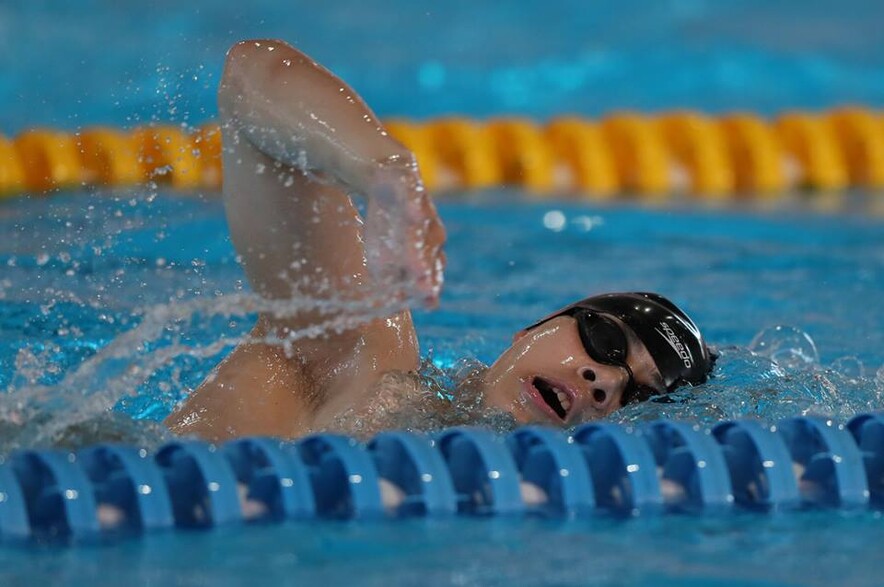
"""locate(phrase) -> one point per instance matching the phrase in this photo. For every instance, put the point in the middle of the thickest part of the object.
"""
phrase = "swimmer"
(297, 142)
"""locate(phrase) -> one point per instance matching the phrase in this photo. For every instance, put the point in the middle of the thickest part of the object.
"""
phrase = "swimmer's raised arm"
(296, 111)
(296, 142)
(299, 114)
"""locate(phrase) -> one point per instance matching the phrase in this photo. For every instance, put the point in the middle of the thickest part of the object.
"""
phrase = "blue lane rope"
(759, 465)
(598, 469)
(623, 470)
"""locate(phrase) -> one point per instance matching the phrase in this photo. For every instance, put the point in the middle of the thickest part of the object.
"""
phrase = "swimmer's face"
(546, 376)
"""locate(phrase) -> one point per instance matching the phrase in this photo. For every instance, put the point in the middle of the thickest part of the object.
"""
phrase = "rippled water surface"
(128, 300)
(810, 549)
(123, 302)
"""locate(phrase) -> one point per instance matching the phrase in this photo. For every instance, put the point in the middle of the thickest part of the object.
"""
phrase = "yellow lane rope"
(711, 157)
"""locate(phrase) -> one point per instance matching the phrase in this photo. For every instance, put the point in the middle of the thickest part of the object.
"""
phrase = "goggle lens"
(604, 341)
(603, 338)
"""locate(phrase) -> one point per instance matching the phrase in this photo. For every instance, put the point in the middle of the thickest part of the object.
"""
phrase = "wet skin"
(297, 141)
(551, 359)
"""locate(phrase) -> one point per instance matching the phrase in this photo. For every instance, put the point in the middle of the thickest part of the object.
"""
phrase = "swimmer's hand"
(293, 110)
(403, 232)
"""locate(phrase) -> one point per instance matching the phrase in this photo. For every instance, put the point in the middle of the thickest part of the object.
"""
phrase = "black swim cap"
(671, 337)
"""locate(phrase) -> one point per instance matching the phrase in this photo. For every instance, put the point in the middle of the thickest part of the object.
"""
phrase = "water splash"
(849, 367)
(787, 347)
(777, 376)
(39, 415)
(141, 303)
(748, 382)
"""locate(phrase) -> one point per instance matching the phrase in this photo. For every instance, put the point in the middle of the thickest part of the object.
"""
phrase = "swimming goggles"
(605, 342)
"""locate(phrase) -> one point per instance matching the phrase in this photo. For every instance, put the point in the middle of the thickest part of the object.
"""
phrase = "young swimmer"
(297, 142)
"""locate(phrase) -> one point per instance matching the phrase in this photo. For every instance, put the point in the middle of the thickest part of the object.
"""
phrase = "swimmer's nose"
(601, 398)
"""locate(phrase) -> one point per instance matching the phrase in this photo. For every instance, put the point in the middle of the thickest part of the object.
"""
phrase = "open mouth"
(554, 396)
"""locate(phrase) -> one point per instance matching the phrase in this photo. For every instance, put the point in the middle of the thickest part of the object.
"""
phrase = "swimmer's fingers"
(387, 268)
(404, 233)
(422, 239)
(428, 238)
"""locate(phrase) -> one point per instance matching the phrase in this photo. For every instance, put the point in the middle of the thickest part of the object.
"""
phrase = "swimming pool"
(725, 265)
(82, 270)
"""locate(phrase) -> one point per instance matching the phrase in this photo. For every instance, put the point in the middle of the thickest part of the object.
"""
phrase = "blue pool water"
(72, 64)
(84, 271)
(815, 549)
(80, 270)
(120, 302)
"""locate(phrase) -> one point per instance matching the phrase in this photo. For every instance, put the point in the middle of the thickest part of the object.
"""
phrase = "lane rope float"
(650, 156)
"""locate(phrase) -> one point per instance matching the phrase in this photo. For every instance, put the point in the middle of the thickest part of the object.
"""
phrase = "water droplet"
(554, 220)
(787, 346)
(850, 367)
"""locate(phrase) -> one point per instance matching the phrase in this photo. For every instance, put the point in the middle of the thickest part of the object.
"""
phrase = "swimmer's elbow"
(253, 57)
(253, 68)
(243, 52)
(242, 58)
